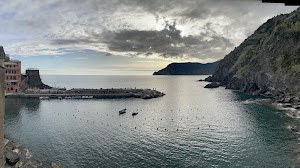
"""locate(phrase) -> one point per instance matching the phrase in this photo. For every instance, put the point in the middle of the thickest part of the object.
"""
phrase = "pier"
(111, 93)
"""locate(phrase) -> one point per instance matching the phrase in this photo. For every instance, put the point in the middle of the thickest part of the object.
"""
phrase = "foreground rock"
(11, 157)
(18, 157)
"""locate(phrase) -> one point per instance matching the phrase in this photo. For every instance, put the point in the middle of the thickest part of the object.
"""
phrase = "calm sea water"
(189, 127)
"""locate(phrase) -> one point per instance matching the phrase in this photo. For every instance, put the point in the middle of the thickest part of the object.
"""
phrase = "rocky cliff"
(188, 69)
(32, 79)
(267, 62)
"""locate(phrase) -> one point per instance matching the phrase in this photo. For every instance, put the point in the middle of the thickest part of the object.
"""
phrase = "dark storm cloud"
(122, 26)
(168, 43)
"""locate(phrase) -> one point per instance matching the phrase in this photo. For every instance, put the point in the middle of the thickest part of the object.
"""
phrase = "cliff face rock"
(188, 69)
(33, 80)
(267, 62)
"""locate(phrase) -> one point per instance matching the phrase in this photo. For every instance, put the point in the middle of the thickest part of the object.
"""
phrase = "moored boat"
(44, 98)
(122, 111)
(86, 97)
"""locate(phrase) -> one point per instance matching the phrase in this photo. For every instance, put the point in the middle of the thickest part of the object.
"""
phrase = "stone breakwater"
(95, 93)
(17, 156)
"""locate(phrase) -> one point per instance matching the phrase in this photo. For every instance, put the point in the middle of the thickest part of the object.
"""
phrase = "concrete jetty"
(88, 93)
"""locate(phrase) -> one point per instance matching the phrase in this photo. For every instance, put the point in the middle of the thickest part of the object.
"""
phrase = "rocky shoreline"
(17, 156)
(283, 99)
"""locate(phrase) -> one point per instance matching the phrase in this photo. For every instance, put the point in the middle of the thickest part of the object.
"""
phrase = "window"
(14, 78)
(11, 88)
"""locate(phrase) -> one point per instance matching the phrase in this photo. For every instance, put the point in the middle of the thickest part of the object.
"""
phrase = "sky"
(126, 37)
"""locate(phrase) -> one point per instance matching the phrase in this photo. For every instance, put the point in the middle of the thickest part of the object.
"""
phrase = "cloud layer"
(173, 29)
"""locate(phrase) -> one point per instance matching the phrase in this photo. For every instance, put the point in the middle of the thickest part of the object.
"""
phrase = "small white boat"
(44, 98)
(86, 97)
(122, 111)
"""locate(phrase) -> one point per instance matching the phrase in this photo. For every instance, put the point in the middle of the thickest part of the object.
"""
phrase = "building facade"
(12, 73)
(12, 76)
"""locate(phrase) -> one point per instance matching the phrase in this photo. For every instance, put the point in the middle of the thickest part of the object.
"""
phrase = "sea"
(188, 127)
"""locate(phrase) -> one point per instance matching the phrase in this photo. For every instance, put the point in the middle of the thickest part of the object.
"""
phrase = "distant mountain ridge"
(188, 68)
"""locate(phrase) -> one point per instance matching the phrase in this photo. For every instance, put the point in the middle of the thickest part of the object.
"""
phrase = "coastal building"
(12, 73)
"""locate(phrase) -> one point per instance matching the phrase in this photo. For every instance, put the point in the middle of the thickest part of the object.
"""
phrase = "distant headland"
(188, 68)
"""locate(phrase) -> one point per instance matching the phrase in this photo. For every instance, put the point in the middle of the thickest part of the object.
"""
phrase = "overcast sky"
(126, 36)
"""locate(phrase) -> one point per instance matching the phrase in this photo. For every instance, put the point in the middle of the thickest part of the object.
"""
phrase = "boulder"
(295, 100)
(9, 145)
(212, 85)
(19, 164)
(209, 79)
(281, 100)
(268, 94)
(146, 96)
(137, 95)
(287, 100)
(287, 105)
(54, 165)
(294, 128)
(11, 157)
